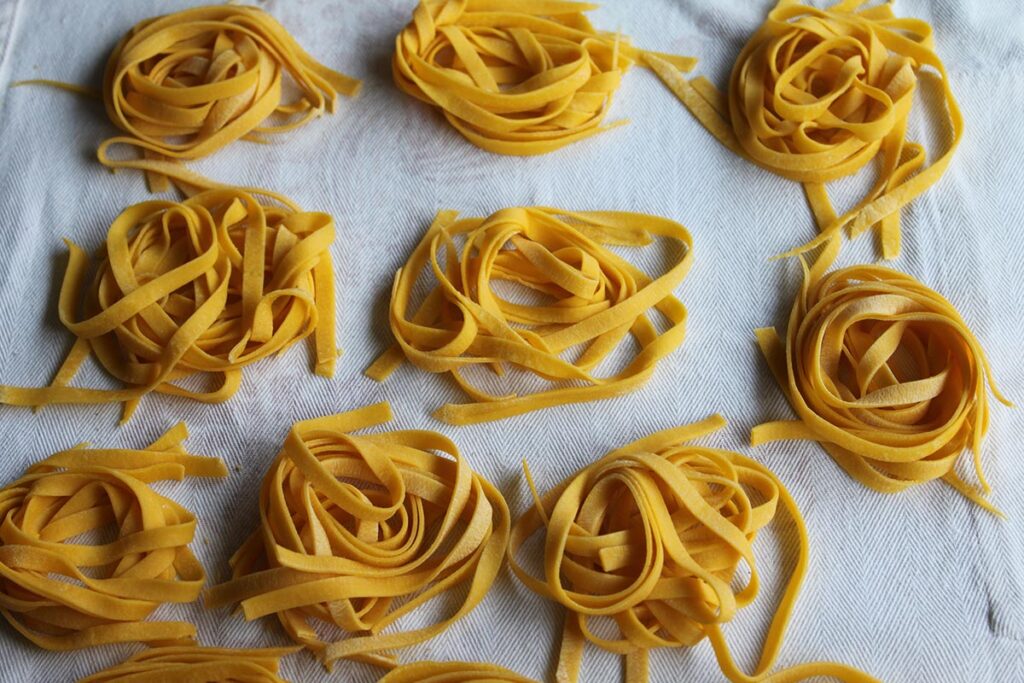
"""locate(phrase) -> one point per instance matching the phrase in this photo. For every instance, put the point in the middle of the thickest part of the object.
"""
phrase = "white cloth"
(919, 586)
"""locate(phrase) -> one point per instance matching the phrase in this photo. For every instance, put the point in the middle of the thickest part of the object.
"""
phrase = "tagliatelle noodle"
(453, 672)
(195, 664)
(593, 299)
(184, 85)
(650, 538)
(886, 375)
(517, 77)
(64, 594)
(205, 286)
(358, 531)
(815, 95)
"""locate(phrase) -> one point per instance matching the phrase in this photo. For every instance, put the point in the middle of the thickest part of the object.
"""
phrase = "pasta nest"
(453, 672)
(207, 664)
(588, 300)
(184, 85)
(208, 286)
(647, 542)
(64, 593)
(513, 77)
(886, 375)
(358, 531)
(816, 94)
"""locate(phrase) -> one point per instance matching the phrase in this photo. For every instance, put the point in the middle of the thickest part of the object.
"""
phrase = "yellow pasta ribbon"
(184, 85)
(453, 672)
(886, 375)
(649, 538)
(815, 95)
(205, 286)
(591, 300)
(357, 531)
(196, 665)
(65, 595)
(517, 77)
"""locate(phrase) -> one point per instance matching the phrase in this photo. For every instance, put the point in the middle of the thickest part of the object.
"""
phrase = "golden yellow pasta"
(196, 665)
(186, 84)
(358, 531)
(648, 539)
(886, 375)
(513, 76)
(202, 287)
(453, 672)
(816, 94)
(65, 593)
(590, 299)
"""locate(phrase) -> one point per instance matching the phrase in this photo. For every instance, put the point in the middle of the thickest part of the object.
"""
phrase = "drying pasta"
(815, 95)
(64, 593)
(649, 539)
(515, 77)
(358, 531)
(202, 287)
(184, 85)
(453, 672)
(190, 664)
(886, 375)
(592, 299)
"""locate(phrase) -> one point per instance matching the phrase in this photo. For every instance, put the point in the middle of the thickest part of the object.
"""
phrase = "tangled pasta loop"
(650, 537)
(64, 594)
(886, 375)
(590, 298)
(206, 664)
(206, 286)
(453, 672)
(184, 85)
(357, 531)
(514, 77)
(818, 93)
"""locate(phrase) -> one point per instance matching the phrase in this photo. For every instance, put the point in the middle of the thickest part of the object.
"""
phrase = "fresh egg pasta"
(591, 299)
(649, 539)
(188, 664)
(817, 94)
(201, 287)
(63, 593)
(515, 77)
(358, 531)
(184, 85)
(886, 375)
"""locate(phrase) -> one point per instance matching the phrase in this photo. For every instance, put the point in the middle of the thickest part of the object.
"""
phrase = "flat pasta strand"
(453, 672)
(649, 538)
(815, 95)
(66, 595)
(515, 77)
(184, 85)
(201, 287)
(592, 299)
(886, 375)
(193, 664)
(357, 531)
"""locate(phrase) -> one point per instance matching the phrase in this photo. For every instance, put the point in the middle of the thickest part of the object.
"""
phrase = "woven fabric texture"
(915, 587)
